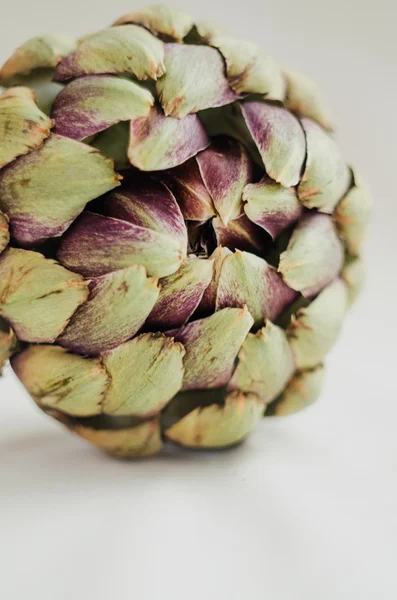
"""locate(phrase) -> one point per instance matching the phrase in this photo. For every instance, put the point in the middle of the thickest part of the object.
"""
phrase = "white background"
(307, 508)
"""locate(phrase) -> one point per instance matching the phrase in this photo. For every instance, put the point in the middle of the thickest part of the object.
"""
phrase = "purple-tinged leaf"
(241, 234)
(96, 245)
(211, 346)
(180, 295)
(271, 206)
(248, 280)
(279, 138)
(159, 142)
(116, 309)
(226, 169)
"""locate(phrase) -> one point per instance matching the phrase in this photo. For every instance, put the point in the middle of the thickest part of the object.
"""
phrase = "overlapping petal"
(38, 296)
(116, 309)
(194, 79)
(211, 346)
(279, 138)
(40, 52)
(124, 49)
(314, 256)
(23, 127)
(64, 175)
(159, 142)
(93, 103)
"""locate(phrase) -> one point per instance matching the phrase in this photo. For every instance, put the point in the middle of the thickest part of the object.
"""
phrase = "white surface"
(307, 509)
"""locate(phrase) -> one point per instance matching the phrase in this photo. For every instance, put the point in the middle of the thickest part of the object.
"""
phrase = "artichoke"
(179, 233)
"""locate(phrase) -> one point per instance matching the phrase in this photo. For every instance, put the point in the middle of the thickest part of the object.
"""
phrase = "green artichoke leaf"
(8, 343)
(146, 372)
(93, 103)
(44, 51)
(116, 309)
(212, 345)
(143, 439)
(247, 279)
(64, 175)
(180, 294)
(57, 379)
(326, 177)
(208, 301)
(160, 142)
(314, 329)
(218, 426)
(271, 206)
(162, 20)
(304, 99)
(226, 169)
(97, 245)
(142, 225)
(37, 295)
(194, 80)
(124, 49)
(353, 274)
(279, 138)
(314, 255)
(187, 185)
(302, 391)
(23, 127)
(353, 213)
(249, 69)
(265, 363)
(4, 232)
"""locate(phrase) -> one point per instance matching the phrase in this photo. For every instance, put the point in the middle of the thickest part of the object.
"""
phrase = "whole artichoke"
(179, 233)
